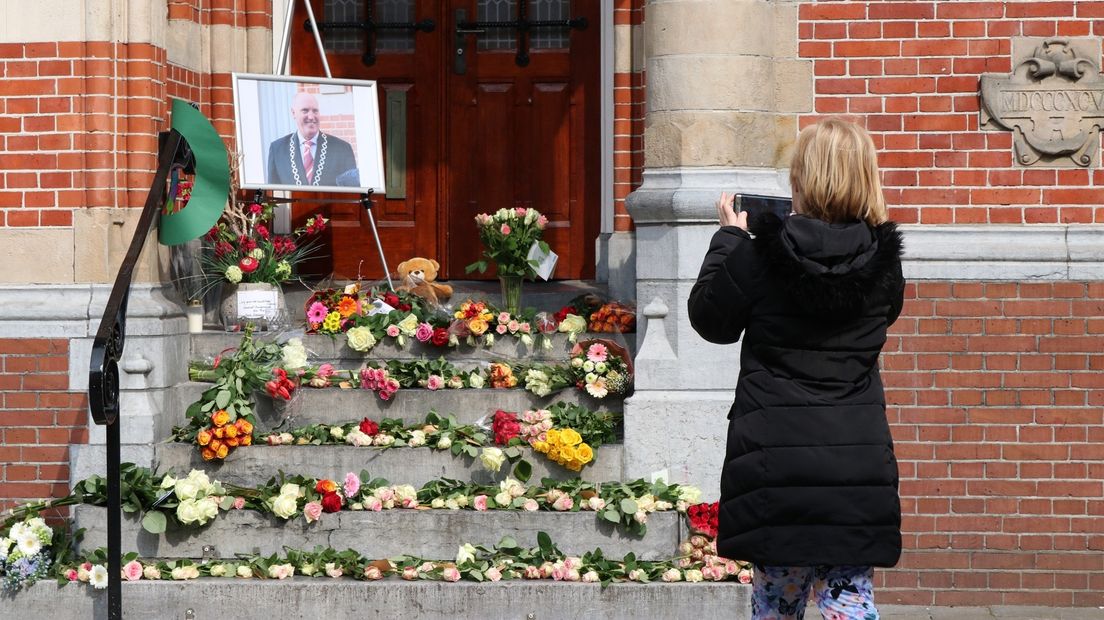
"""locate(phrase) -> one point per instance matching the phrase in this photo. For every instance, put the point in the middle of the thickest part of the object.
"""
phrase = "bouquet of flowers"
(601, 368)
(25, 553)
(507, 237)
(242, 247)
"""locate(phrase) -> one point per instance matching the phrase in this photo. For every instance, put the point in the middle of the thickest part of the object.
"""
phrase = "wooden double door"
(481, 108)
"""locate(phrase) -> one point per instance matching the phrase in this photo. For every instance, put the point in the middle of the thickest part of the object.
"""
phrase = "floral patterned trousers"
(840, 592)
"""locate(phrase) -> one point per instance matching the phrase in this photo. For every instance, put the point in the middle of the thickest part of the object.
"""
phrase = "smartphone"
(756, 205)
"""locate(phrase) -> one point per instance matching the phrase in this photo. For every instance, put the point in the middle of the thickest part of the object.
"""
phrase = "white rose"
(530, 505)
(492, 458)
(465, 553)
(208, 509)
(307, 569)
(475, 380)
(591, 577)
(408, 325)
(188, 512)
(693, 575)
(285, 506)
(452, 504)
(596, 503)
(294, 354)
(186, 489)
(462, 501)
(218, 570)
(444, 443)
(417, 439)
(503, 499)
(646, 502)
(640, 517)
(438, 502)
(337, 432)
(167, 483)
(689, 494)
(405, 493)
(671, 575)
(383, 440)
(360, 339)
(290, 489)
(151, 572)
(245, 572)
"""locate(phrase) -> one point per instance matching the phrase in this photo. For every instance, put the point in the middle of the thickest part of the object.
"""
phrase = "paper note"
(257, 304)
(546, 261)
(379, 307)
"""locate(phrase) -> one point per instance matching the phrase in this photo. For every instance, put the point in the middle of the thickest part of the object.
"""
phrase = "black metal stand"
(366, 202)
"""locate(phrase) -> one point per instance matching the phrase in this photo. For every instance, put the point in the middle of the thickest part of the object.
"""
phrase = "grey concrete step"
(334, 405)
(255, 464)
(333, 349)
(302, 598)
(434, 533)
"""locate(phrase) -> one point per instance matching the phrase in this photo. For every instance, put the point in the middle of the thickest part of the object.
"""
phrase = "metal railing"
(107, 350)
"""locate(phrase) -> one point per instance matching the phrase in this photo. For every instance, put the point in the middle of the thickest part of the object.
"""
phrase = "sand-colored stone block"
(726, 138)
(101, 238)
(711, 27)
(622, 48)
(711, 82)
(52, 20)
(258, 50)
(793, 85)
(37, 255)
(184, 44)
(785, 29)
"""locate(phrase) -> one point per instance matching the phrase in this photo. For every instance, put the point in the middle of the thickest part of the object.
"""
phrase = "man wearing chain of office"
(309, 157)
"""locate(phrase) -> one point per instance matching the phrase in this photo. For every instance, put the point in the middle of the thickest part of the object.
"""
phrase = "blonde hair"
(835, 168)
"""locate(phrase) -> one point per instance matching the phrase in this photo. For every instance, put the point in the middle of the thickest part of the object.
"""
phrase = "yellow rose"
(541, 446)
(477, 326)
(584, 453)
(567, 453)
(570, 436)
(554, 454)
(574, 465)
(553, 437)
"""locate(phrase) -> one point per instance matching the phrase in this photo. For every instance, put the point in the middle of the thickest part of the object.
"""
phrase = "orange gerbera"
(347, 307)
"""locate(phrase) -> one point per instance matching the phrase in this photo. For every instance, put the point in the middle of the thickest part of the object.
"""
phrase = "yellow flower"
(554, 454)
(553, 437)
(477, 326)
(567, 453)
(570, 436)
(584, 453)
(541, 446)
(574, 465)
(332, 322)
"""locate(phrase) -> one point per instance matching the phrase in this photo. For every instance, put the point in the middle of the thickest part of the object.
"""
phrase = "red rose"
(391, 299)
(331, 502)
(369, 427)
(505, 427)
(703, 518)
(213, 233)
(249, 264)
(255, 209)
(563, 312)
(440, 336)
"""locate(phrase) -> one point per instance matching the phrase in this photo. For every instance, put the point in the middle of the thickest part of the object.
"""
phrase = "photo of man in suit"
(308, 156)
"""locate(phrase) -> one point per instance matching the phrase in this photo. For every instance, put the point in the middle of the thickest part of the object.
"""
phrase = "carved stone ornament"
(1053, 102)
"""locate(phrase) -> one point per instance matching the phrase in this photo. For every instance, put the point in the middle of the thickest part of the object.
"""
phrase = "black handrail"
(107, 349)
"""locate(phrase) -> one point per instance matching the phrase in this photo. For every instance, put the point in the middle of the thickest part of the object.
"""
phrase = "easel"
(283, 68)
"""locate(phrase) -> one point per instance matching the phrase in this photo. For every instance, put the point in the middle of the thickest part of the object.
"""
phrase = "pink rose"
(480, 503)
(393, 331)
(385, 494)
(451, 573)
(71, 574)
(373, 504)
(572, 562)
(503, 317)
(410, 573)
(744, 576)
(530, 505)
(513, 327)
(532, 572)
(132, 570)
(239, 503)
(501, 329)
(325, 370)
(372, 573)
(352, 484)
(520, 211)
(542, 222)
(424, 332)
(505, 230)
(563, 503)
(312, 511)
(559, 572)
(435, 382)
(525, 328)
(493, 574)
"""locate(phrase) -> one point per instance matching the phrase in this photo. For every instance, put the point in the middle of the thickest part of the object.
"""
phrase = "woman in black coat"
(809, 484)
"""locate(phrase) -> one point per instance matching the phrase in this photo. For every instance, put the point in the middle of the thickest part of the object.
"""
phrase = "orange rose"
(220, 432)
(220, 417)
(233, 442)
(223, 450)
(244, 426)
(215, 445)
(246, 440)
(203, 437)
(325, 486)
(208, 454)
(230, 431)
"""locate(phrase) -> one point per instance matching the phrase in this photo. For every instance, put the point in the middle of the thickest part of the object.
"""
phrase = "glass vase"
(259, 303)
(511, 292)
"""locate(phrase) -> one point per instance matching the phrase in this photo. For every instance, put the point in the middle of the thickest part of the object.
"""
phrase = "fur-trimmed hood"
(830, 269)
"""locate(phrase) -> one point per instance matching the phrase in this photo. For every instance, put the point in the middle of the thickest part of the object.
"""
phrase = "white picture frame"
(340, 117)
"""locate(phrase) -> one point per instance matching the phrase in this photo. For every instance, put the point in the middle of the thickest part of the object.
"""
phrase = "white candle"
(195, 317)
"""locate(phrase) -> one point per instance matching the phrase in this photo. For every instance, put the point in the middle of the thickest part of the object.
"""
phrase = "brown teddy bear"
(417, 276)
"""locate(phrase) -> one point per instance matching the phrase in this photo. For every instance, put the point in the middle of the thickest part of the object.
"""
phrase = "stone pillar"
(724, 91)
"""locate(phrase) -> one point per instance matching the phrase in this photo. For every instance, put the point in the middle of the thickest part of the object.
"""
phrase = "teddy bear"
(417, 275)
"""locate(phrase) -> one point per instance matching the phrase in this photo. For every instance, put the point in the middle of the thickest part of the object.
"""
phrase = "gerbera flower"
(317, 312)
(597, 352)
(347, 307)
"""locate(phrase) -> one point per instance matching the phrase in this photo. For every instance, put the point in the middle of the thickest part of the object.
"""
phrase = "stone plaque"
(1052, 102)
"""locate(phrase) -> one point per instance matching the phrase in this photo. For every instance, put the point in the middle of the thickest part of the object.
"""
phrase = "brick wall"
(996, 400)
(909, 72)
(39, 418)
(628, 119)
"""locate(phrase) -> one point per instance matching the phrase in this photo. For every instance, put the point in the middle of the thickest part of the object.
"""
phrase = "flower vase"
(511, 292)
(259, 303)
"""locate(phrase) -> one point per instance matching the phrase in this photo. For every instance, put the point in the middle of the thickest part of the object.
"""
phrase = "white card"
(546, 263)
(257, 304)
(379, 307)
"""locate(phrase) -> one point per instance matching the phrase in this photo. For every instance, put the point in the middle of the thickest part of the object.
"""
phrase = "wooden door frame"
(607, 54)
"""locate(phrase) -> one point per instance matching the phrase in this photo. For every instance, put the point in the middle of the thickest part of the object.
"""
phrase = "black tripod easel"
(282, 68)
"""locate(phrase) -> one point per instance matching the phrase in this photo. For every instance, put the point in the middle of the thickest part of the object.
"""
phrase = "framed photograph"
(308, 134)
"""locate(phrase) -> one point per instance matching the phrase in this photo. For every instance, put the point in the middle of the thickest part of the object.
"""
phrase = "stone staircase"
(432, 533)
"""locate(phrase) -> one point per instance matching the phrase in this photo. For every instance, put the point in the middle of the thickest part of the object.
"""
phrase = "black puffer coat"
(809, 475)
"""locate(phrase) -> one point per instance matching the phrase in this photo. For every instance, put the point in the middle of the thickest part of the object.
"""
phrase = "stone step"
(333, 349)
(254, 465)
(434, 533)
(302, 598)
(334, 405)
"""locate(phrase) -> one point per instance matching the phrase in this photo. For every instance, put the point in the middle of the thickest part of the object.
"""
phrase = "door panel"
(500, 135)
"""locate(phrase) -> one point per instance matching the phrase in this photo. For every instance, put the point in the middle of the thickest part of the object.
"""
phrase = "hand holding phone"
(755, 205)
(725, 213)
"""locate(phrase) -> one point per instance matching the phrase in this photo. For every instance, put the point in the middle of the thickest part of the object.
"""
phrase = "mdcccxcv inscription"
(1052, 102)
